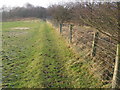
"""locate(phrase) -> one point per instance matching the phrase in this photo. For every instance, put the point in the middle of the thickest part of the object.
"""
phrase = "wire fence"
(103, 47)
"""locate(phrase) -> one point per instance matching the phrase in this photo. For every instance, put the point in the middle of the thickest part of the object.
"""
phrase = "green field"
(38, 57)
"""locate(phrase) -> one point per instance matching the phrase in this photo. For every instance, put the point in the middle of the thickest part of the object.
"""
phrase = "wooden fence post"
(70, 34)
(116, 75)
(60, 28)
(95, 41)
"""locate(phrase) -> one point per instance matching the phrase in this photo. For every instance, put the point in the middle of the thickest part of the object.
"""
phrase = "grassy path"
(40, 58)
(53, 60)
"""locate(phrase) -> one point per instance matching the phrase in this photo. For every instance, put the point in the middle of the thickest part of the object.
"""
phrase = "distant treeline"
(23, 12)
(102, 16)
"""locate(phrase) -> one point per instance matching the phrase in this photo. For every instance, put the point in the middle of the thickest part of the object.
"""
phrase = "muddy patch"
(20, 28)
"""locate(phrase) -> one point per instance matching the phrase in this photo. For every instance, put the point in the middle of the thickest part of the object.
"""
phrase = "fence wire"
(82, 40)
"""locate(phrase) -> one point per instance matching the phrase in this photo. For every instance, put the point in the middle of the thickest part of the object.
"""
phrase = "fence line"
(106, 51)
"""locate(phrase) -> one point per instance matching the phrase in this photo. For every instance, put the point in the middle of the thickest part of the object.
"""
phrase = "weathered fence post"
(116, 75)
(95, 40)
(70, 34)
(61, 28)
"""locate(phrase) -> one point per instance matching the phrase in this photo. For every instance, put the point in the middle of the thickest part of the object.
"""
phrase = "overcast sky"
(43, 3)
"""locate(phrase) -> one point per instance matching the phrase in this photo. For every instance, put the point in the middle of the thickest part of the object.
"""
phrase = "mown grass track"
(40, 58)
